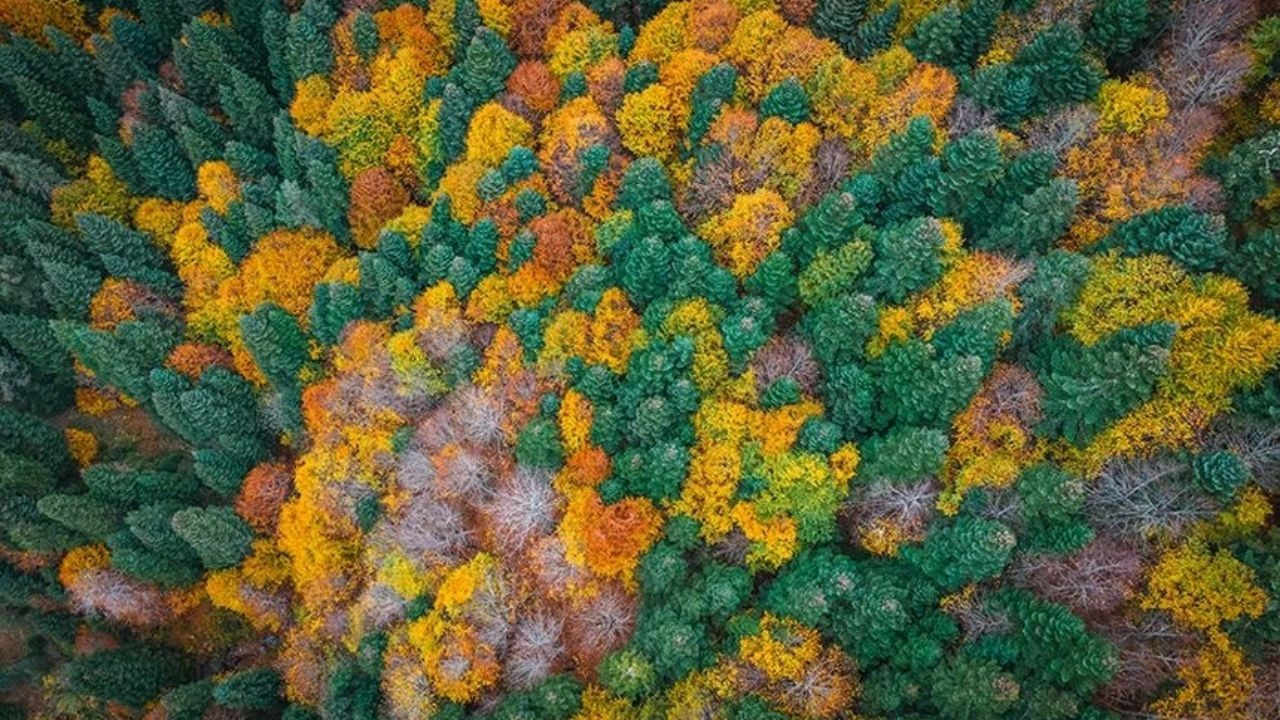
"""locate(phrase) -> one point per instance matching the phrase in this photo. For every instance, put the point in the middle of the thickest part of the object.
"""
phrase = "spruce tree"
(218, 536)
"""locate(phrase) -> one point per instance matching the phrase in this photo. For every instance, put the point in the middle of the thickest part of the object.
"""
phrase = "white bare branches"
(1145, 500)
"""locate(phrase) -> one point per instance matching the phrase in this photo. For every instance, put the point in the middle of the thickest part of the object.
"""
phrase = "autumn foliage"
(595, 360)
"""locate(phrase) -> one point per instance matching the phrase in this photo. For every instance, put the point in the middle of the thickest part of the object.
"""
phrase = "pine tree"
(1032, 223)
(876, 32)
(125, 252)
(907, 258)
(972, 687)
(713, 91)
(486, 65)
(456, 107)
(255, 689)
(188, 702)
(162, 163)
(1193, 239)
(93, 518)
(1052, 504)
(328, 197)
(275, 31)
(307, 48)
(131, 557)
(33, 339)
(838, 19)
(838, 329)
(1221, 472)
(133, 674)
(278, 345)
(249, 106)
(966, 550)
(136, 487)
(364, 32)
(217, 534)
(786, 100)
(333, 307)
(1088, 388)
(1256, 263)
(644, 181)
(1118, 27)
(152, 526)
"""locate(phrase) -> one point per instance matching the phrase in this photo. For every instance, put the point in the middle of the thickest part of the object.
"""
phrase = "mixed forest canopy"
(714, 359)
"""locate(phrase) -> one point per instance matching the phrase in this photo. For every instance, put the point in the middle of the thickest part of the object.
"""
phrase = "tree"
(917, 385)
(134, 487)
(1052, 505)
(162, 163)
(249, 106)
(1050, 71)
(279, 348)
(1118, 27)
(95, 519)
(953, 37)
(188, 702)
(973, 687)
(133, 674)
(965, 550)
(1256, 263)
(217, 534)
(1221, 473)
(254, 689)
(628, 674)
(127, 253)
(907, 258)
(838, 20)
(786, 100)
(713, 91)
(1033, 222)
(1194, 240)
(307, 46)
(487, 64)
(1088, 388)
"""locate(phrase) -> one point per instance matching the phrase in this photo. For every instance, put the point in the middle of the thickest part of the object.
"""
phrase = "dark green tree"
(962, 551)
(1193, 239)
(217, 534)
(133, 674)
(486, 65)
(254, 689)
(1088, 388)
(786, 100)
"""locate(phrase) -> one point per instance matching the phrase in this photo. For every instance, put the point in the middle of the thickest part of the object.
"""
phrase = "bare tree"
(1149, 649)
(1145, 500)
(968, 116)
(1095, 580)
(787, 356)
(522, 509)
(1059, 132)
(600, 625)
(110, 594)
(535, 650)
(908, 507)
(1205, 61)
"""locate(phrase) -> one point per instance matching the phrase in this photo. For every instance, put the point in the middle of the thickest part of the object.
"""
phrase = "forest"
(633, 359)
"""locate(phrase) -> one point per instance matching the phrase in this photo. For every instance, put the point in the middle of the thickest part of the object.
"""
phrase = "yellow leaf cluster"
(82, 444)
(647, 122)
(493, 132)
(1216, 685)
(217, 185)
(748, 231)
(1202, 589)
(1125, 106)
